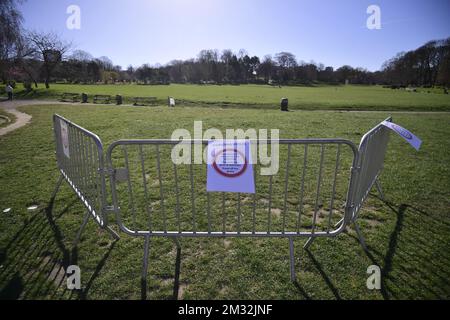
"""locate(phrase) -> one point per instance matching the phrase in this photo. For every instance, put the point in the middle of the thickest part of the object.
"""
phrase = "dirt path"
(22, 119)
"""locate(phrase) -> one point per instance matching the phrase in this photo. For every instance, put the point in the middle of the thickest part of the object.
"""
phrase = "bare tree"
(50, 50)
(267, 67)
(10, 33)
(286, 60)
(106, 63)
(81, 55)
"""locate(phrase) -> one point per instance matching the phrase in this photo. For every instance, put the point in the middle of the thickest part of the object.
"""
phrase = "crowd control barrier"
(318, 191)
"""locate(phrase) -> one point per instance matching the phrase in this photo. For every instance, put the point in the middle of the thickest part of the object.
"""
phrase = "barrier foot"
(177, 242)
(292, 259)
(80, 231)
(360, 237)
(112, 233)
(339, 222)
(145, 269)
(379, 189)
(58, 185)
(308, 243)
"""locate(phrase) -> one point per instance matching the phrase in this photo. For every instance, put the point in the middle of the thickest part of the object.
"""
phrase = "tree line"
(32, 57)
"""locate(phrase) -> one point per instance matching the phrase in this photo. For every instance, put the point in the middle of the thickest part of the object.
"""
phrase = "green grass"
(353, 97)
(408, 236)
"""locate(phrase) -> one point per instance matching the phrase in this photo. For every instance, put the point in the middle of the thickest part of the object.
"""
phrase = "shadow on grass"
(176, 282)
(325, 277)
(419, 265)
(35, 260)
(84, 293)
(301, 290)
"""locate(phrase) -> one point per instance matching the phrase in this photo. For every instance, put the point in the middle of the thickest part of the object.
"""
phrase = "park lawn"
(408, 236)
(351, 97)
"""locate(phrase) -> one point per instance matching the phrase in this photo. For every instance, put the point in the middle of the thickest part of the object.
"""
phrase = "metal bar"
(224, 215)
(239, 213)
(208, 206)
(112, 233)
(55, 191)
(269, 221)
(379, 189)
(286, 179)
(220, 234)
(130, 188)
(90, 173)
(79, 151)
(302, 189)
(308, 243)
(333, 194)
(161, 192)
(80, 231)
(292, 259)
(254, 204)
(83, 164)
(360, 236)
(208, 199)
(74, 157)
(319, 181)
(191, 175)
(98, 168)
(144, 181)
(177, 193)
(205, 142)
(145, 268)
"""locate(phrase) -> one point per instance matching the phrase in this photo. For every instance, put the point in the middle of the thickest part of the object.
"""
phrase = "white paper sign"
(414, 141)
(230, 167)
(65, 138)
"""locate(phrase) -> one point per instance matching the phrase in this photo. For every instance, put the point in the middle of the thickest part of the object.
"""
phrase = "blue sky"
(328, 31)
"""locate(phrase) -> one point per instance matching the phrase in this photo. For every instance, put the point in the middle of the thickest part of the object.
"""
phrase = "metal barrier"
(372, 150)
(154, 197)
(79, 155)
(319, 189)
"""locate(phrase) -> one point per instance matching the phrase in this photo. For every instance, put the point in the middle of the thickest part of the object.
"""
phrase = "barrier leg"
(176, 285)
(80, 231)
(379, 189)
(177, 242)
(58, 185)
(339, 222)
(145, 269)
(360, 237)
(112, 233)
(292, 259)
(308, 243)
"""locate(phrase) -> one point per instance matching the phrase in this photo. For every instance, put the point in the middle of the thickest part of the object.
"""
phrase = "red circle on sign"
(226, 174)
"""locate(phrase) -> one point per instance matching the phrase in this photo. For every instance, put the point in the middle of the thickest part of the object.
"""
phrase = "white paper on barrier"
(414, 141)
(230, 167)
(65, 138)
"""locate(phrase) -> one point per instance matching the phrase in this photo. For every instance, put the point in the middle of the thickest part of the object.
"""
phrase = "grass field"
(351, 97)
(408, 235)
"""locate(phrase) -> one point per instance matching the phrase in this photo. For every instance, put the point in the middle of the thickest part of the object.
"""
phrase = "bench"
(70, 97)
(144, 101)
(102, 98)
